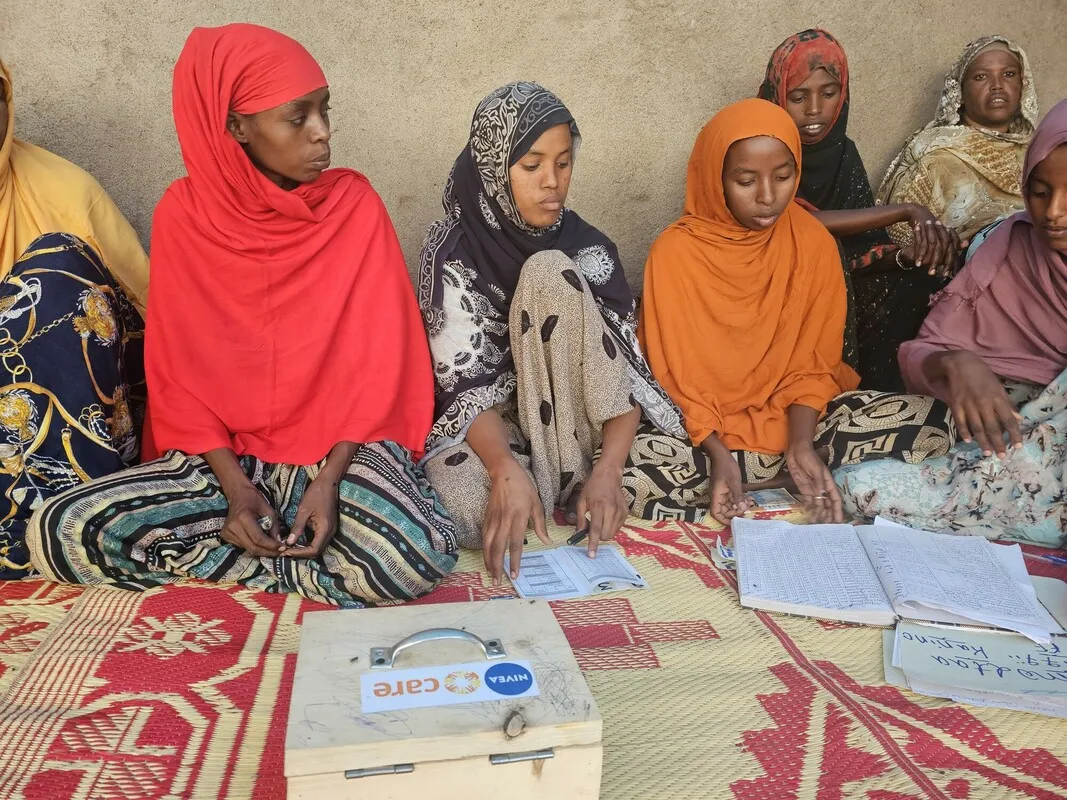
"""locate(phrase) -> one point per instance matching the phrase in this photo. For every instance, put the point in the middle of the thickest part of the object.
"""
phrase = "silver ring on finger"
(265, 522)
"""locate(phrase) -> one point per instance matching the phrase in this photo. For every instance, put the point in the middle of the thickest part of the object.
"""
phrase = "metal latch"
(515, 758)
(395, 769)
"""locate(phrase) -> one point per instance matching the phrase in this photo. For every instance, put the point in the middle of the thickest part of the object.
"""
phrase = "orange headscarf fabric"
(280, 323)
(738, 325)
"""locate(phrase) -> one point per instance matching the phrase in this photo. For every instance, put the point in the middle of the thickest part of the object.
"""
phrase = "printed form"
(567, 572)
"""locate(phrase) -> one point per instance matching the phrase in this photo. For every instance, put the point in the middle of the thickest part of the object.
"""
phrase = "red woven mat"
(184, 692)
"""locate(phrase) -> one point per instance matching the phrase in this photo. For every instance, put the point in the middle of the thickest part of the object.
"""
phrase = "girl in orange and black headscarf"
(808, 77)
(743, 321)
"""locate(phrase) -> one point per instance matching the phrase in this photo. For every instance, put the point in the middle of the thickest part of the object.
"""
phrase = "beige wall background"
(92, 83)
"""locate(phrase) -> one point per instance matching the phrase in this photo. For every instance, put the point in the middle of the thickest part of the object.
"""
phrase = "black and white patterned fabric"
(472, 258)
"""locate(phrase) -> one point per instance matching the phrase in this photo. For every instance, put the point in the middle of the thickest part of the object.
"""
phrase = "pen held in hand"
(579, 536)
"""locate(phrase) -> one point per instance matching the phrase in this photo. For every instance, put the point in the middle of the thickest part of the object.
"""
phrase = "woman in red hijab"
(289, 377)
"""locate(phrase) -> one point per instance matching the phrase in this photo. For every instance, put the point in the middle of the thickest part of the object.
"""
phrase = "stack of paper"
(979, 667)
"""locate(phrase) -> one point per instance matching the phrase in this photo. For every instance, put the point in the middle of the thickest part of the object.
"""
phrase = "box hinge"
(514, 758)
(395, 769)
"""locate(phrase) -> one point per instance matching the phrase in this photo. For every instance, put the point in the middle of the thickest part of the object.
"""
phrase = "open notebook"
(562, 573)
(873, 575)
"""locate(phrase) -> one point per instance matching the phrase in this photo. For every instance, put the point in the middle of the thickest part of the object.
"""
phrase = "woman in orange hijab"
(743, 320)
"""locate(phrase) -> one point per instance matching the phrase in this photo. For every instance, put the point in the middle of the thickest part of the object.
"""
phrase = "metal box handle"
(385, 657)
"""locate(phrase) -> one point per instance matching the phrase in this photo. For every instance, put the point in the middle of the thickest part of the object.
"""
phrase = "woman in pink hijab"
(994, 347)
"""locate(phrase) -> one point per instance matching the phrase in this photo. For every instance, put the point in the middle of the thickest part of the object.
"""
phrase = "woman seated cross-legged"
(743, 320)
(288, 374)
(532, 330)
(995, 348)
(73, 284)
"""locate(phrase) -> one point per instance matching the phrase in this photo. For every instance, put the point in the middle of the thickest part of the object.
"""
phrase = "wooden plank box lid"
(329, 735)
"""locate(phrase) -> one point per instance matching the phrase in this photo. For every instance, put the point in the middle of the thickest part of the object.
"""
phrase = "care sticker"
(426, 687)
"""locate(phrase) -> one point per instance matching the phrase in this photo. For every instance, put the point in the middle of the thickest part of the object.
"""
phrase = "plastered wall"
(92, 82)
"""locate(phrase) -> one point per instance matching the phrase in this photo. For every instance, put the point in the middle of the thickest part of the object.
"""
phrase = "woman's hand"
(935, 245)
(602, 505)
(727, 499)
(979, 404)
(815, 484)
(242, 529)
(317, 515)
(318, 507)
(513, 503)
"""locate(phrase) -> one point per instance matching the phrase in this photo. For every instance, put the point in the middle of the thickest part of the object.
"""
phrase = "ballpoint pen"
(1060, 560)
(578, 536)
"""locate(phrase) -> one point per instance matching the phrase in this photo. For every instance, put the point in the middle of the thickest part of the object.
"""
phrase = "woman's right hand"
(935, 246)
(727, 498)
(242, 529)
(513, 503)
(979, 404)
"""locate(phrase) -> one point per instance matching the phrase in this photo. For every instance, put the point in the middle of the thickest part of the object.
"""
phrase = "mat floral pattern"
(183, 692)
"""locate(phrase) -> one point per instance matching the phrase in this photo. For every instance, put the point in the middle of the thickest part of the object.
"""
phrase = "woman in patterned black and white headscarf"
(532, 329)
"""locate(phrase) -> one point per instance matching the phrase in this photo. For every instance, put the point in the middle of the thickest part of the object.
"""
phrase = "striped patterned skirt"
(159, 522)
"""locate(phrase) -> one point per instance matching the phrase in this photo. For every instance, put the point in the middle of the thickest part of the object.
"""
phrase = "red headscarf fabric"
(279, 323)
(795, 59)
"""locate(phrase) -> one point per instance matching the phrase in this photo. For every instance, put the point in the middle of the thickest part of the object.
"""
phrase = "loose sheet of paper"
(1033, 704)
(567, 572)
(818, 566)
(965, 576)
(967, 659)
(723, 556)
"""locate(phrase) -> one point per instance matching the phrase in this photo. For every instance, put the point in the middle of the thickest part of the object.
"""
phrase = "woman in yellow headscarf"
(743, 320)
(965, 164)
(73, 287)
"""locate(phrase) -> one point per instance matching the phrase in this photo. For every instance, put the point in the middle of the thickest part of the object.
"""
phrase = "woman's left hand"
(815, 485)
(318, 514)
(605, 504)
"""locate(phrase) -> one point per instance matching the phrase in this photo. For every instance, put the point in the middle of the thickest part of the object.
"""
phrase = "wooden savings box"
(514, 747)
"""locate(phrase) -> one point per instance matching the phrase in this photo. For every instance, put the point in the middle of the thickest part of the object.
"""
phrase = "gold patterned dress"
(967, 176)
(71, 382)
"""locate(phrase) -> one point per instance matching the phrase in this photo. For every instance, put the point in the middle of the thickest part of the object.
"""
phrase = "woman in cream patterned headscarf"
(965, 164)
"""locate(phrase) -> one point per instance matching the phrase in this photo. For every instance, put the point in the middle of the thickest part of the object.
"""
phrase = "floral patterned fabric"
(71, 382)
(1023, 497)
